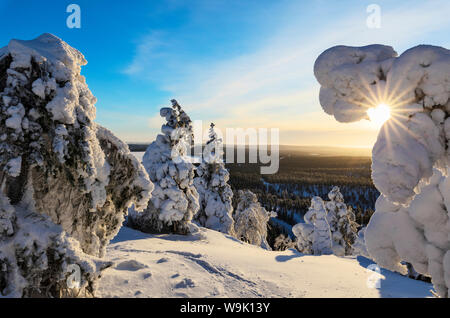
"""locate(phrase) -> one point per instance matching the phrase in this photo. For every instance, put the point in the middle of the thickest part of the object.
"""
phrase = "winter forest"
(85, 213)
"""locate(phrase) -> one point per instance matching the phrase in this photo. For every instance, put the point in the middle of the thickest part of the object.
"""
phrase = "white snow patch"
(221, 266)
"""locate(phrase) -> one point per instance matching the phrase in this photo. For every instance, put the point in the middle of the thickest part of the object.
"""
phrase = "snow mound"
(222, 266)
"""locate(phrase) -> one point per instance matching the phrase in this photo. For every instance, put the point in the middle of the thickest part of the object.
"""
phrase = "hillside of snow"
(211, 264)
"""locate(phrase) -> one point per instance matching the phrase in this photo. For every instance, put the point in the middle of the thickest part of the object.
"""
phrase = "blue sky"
(244, 63)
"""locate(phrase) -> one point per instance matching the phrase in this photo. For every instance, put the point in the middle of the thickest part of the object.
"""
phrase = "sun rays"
(379, 114)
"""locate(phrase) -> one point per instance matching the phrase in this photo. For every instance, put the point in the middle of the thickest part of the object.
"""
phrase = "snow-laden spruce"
(250, 219)
(66, 183)
(215, 194)
(359, 246)
(411, 155)
(174, 200)
(314, 236)
(283, 243)
(342, 223)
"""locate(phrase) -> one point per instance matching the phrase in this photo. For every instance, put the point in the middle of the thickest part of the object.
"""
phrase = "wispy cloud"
(274, 86)
(150, 50)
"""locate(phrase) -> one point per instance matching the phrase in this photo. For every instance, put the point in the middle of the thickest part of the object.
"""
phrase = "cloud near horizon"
(273, 85)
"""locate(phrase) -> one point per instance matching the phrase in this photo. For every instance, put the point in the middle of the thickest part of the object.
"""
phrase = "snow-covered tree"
(304, 237)
(359, 246)
(250, 219)
(410, 160)
(342, 223)
(314, 236)
(65, 182)
(283, 243)
(215, 194)
(174, 200)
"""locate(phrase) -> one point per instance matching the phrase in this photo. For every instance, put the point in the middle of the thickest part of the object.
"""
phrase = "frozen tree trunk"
(174, 200)
(215, 194)
(410, 160)
(66, 183)
(250, 220)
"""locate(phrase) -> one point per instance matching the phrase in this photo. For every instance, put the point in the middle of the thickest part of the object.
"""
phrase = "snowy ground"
(216, 265)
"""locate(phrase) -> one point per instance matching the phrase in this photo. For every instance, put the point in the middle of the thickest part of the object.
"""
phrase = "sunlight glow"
(378, 115)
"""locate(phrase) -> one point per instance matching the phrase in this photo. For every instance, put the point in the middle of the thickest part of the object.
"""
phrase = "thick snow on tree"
(215, 194)
(304, 237)
(315, 232)
(66, 183)
(283, 243)
(411, 155)
(174, 200)
(342, 223)
(250, 219)
(359, 246)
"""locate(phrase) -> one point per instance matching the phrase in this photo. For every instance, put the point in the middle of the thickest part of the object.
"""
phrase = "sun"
(378, 115)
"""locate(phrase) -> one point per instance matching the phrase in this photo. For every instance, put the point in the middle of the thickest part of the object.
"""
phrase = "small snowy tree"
(304, 237)
(283, 243)
(174, 200)
(65, 182)
(215, 194)
(250, 220)
(314, 235)
(410, 160)
(342, 223)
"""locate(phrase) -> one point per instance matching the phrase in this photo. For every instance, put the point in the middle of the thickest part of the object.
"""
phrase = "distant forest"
(305, 172)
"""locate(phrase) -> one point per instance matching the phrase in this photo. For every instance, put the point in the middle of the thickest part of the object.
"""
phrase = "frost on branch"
(342, 223)
(250, 219)
(66, 183)
(314, 236)
(411, 155)
(174, 200)
(215, 194)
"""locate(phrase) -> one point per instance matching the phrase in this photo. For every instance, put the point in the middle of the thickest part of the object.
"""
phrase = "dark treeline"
(302, 176)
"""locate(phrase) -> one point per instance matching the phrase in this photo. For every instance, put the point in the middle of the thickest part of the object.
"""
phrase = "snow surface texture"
(283, 243)
(74, 173)
(222, 266)
(314, 236)
(174, 200)
(215, 194)
(250, 220)
(411, 146)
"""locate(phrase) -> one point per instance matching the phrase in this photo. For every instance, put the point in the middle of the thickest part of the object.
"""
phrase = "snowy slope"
(215, 265)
